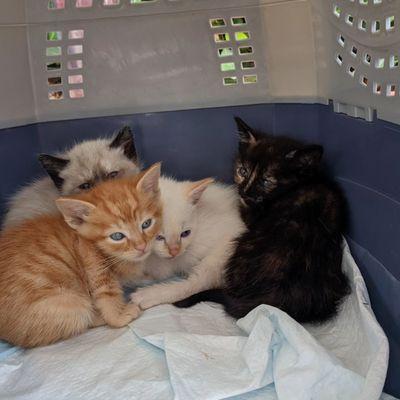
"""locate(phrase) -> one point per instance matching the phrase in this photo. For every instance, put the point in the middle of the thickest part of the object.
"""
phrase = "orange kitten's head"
(121, 216)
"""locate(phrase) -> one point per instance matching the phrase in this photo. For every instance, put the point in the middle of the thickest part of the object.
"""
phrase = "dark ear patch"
(307, 157)
(125, 140)
(246, 134)
(53, 166)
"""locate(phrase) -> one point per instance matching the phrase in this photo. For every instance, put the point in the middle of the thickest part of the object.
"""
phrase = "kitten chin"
(58, 279)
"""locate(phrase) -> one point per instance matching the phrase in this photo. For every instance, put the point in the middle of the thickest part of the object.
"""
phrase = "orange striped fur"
(62, 274)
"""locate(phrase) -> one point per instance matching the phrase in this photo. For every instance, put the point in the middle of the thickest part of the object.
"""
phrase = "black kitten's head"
(267, 166)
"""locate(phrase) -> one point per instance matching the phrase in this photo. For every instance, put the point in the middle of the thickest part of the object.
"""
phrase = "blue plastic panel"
(199, 143)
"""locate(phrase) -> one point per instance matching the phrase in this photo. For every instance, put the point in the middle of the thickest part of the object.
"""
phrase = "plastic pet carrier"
(177, 72)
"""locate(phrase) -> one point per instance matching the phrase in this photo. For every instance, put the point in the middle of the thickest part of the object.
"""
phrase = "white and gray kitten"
(74, 171)
(200, 223)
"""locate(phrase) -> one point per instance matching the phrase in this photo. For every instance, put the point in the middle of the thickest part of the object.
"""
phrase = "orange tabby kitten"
(60, 275)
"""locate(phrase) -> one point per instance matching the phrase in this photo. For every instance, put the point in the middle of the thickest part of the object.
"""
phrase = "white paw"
(145, 298)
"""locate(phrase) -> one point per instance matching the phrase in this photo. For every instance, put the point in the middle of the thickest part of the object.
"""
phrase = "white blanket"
(202, 354)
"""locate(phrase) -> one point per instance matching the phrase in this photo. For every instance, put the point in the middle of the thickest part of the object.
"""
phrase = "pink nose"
(140, 246)
(173, 250)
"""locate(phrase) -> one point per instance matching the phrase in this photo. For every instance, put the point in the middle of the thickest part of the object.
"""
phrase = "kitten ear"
(246, 134)
(198, 188)
(307, 157)
(53, 166)
(75, 212)
(148, 183)
(125, 140)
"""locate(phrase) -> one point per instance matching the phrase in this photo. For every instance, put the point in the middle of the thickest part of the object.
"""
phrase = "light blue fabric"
(6, 350)
(202, 354)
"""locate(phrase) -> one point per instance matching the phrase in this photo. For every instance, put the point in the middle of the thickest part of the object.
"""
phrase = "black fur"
(125, 139)
(53, 166)
(291, 255)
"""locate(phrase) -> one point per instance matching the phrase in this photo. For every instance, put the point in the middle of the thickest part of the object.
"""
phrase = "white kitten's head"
(92, 161)
(180, 201)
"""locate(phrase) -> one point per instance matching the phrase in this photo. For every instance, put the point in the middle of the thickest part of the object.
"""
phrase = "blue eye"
(117, 236)
(146, 224)
(186, 233)
(160, 237)
(113, 174)
(85, 186)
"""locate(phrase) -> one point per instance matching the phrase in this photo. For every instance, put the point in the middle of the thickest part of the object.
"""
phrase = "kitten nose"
(173, 250)
(140, 246)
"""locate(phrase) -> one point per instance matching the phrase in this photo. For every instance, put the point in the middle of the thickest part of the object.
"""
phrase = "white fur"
(215, 221)
(87, 159)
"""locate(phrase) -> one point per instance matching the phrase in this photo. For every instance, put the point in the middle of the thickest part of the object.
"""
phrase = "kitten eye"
(113, 174)
(85, 186)
(242, 172)
(117, 236)
(186, 233)
(160, 237)
(146, 224)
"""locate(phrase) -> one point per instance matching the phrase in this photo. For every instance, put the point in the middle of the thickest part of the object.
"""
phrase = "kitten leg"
(206, 275)
(97, 321)
(56, 316)
(108, 299)
(108, 296)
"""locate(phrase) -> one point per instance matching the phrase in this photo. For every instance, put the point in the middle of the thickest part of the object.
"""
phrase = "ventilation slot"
(54, 36)
(236, 21)
(377, 88)
(367, 59)
(53, 51)
(225, 52)
(229, 66)
(76, 93)
(241, 36)
(57, 80)
(248, 64)
(75, 79)
(393, 62)
(376, 27)
(249, 79)
(362, 25)
(75, 49)
(111, 3)
(380, 63)
(349, 19)
(217, 22)
(221, 37)
(53, 66)
(245, 50)
(351, 71)
(337, 11)
(76, 34)
(230, 80)
(56, 95)
(83, 3)
(74, 64)
(390, 90)
(364, 80)
(390, 23)
(56, 4)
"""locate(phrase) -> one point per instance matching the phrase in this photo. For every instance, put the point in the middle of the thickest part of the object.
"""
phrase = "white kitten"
(199, 227)
(75, 170)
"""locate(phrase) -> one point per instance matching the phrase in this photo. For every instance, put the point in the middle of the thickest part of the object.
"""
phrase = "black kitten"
(291, 255)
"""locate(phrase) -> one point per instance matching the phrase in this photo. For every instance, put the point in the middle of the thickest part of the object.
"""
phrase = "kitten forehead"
(118, 202)
(93, 160)
(178, 211)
